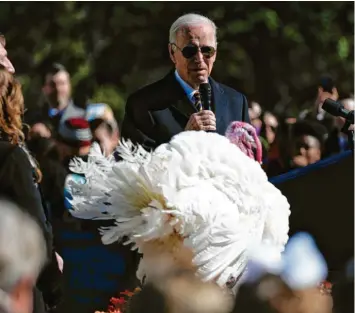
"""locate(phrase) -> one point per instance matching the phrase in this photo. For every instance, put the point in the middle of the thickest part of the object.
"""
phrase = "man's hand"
(203, 120)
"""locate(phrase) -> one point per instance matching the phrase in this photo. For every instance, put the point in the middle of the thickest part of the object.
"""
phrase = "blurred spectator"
(4, 60)
(269, 127)
(326, 89)
(57, 95)
(22, 257)
(267, 135)
(53, 173)
(39, 130)
(74, 139)
(296, 145)
(105, 134)
(254, 115)
(307, 143)
(19, 181)
(61, 104)
(180, 291)
(287, 284)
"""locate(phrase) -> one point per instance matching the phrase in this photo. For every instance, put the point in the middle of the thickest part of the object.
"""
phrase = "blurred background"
(274, 52)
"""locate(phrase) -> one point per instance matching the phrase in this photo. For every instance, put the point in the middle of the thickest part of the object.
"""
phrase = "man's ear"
(171, 53)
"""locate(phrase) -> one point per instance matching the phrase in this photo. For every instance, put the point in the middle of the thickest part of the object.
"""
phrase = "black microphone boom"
(336, 109)
(206, 96)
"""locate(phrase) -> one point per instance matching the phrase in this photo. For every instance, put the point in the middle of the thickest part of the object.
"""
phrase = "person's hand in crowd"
(41, 130)
(324, 95)
(60, 262)
(203, 120)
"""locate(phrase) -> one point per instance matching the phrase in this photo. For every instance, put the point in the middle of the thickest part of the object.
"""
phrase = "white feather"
(198, 192)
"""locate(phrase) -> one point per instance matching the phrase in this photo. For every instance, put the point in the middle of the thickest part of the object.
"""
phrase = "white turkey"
(198, 199)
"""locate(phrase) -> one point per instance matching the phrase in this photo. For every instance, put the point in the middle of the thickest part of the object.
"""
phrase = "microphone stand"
(349, 133)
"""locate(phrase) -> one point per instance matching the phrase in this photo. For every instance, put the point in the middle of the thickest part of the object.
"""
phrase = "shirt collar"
(187, 88)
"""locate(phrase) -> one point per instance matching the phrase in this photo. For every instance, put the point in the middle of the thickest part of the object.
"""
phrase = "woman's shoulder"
(10, 152)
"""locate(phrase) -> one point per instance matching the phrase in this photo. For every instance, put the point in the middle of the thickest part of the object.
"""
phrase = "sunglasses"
(190, 51)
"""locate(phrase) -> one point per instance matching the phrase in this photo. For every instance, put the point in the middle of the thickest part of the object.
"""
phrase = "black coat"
(157, 112)
(17, 185)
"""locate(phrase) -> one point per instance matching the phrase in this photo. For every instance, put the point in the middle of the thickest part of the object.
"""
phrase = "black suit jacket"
(157, 112)
(17, 185)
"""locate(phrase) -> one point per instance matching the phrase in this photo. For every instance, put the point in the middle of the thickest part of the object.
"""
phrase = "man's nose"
(199, 57)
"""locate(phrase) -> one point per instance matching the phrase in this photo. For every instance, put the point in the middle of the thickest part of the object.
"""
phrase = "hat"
(75, 132)
(97, 113)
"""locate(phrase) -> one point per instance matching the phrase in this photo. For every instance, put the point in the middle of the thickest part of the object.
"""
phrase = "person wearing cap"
(105, 134)
(103, 126)
(74, 139)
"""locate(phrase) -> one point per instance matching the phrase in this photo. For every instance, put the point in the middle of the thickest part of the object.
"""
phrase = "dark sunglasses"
(190, 51)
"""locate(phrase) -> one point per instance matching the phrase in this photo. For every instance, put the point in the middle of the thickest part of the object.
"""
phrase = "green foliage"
(272, 51)
(110, 95)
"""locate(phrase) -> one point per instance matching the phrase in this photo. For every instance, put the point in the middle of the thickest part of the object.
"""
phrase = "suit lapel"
(181, 108)
(220, 106)
(179, 102)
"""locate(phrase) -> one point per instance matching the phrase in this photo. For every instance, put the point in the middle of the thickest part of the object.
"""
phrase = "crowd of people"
(38, 146)
(293, 141)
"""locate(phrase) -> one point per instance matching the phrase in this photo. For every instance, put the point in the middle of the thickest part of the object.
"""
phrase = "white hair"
(190, 19)
(22, 246)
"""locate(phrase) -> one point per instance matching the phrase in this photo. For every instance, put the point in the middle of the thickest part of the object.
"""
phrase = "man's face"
(254, 111)
(196, 69)
(4, 60)
(306, 151)
(271, 125)
(108, 141)
(57, 88)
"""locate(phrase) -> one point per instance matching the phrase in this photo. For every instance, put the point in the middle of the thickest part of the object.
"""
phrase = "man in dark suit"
(157, 112)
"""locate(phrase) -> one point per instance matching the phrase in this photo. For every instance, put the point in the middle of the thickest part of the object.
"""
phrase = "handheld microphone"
(336, 109)
(206, 96)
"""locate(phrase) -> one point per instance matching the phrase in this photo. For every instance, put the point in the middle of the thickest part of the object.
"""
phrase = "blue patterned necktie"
(198, 102)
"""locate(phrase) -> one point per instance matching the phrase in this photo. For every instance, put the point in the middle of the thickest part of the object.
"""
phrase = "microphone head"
(205, 87)
(206, 95)
(332, 107)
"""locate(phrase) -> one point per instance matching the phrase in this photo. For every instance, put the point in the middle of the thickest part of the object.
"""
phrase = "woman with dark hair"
(19, 182)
